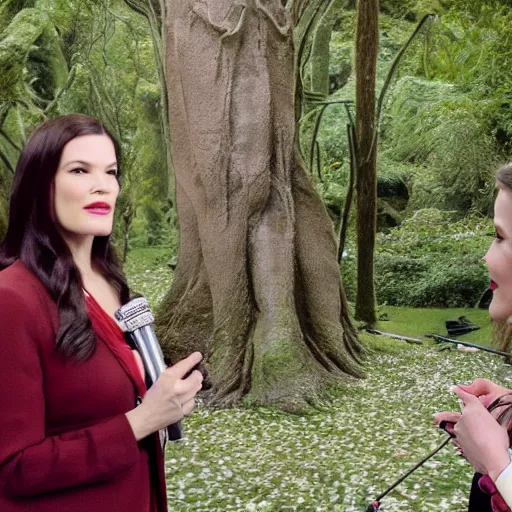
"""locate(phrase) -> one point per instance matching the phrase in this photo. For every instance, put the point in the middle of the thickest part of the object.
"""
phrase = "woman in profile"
(78, 431)
(483, 430)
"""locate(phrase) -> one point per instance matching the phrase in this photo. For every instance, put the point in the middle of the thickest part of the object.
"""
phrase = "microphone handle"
(146, 343)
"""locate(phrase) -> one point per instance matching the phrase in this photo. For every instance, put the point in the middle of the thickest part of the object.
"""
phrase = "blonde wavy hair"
(502, 331)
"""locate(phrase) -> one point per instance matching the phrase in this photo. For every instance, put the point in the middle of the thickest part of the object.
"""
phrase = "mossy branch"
(61, 91)
(6, 162)
(314, 138)
(351, 136)
(318, 164)
(9, 140)
(302, 37)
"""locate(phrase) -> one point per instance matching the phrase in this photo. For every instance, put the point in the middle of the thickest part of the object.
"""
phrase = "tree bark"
(257, 283)
(367, 41)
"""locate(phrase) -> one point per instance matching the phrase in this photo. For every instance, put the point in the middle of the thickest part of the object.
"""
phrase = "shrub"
(432, 260)
(448, 135)
(423, 282)
(457, 283)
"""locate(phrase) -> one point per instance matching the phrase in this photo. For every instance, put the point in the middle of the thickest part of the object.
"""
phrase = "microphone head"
(134, 315)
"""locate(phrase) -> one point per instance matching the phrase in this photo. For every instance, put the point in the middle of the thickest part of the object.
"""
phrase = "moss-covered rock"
(30, 53)
(9, 9)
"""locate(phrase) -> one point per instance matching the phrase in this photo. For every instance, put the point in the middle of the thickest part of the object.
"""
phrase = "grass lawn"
(418, 322)
(341, 456)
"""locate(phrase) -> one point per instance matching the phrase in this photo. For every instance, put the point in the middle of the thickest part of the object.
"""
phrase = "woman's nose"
(486, 255)
(100, 184)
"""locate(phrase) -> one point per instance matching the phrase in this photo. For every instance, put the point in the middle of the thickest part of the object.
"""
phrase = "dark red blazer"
(65, 442)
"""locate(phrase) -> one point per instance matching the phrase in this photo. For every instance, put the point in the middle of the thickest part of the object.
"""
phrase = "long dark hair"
(32, 235)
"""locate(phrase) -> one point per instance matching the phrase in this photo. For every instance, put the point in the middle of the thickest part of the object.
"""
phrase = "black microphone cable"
(375, 505)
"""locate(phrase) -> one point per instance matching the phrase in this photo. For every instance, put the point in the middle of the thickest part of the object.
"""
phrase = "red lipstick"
(98, 208)
(493, 285)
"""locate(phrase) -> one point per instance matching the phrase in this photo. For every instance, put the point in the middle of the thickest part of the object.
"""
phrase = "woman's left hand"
(482, 439)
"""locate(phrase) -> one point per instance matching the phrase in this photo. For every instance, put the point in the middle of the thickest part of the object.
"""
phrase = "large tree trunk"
(257, 283)
(367, 42)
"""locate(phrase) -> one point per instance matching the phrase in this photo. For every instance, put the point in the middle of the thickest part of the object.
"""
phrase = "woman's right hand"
(169, 399)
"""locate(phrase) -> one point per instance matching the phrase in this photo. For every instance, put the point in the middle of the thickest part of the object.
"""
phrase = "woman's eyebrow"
(81, 162)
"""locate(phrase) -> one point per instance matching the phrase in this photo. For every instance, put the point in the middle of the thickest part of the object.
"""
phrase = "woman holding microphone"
(79, 432)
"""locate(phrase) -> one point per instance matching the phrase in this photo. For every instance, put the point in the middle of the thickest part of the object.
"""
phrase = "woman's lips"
(98, 211)
(493, 285)
(98, 208)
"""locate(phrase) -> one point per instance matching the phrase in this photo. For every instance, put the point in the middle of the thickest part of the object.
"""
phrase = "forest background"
(446, 127)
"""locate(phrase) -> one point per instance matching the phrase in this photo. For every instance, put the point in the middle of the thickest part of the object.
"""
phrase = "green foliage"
(471, 46)
(333, 136)
(447, 117)
(411, 10)
(9, 9)
(155, 225)
(3, 218)
(16, 44)
(457, 282)
(431, 260)
(32, 71)
(394, 177)
(149, 273)
(444, 130)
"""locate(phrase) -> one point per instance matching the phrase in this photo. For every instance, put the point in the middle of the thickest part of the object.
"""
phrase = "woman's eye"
(78, 170)
(497, 236)
(113, 172)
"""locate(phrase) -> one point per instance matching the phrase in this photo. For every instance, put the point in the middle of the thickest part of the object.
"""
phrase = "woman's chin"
(499, 314)
(101, 232)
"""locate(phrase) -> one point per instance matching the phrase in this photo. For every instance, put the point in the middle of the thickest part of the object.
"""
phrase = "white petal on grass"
(234, 459)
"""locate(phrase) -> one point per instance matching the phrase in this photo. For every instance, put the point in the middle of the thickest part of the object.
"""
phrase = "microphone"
(136, 319)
